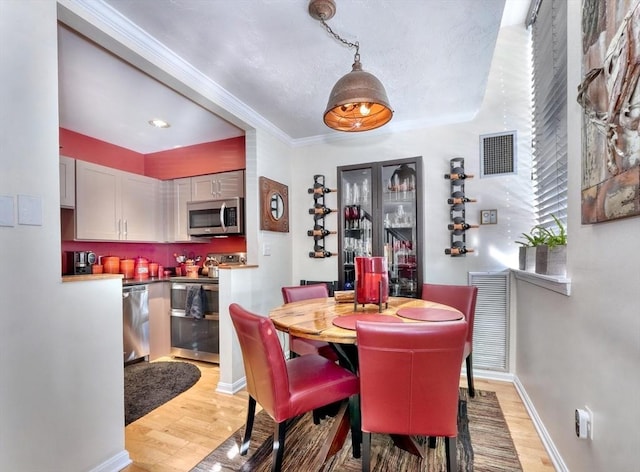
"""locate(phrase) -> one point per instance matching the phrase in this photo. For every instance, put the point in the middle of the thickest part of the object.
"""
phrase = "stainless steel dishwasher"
(135, 322)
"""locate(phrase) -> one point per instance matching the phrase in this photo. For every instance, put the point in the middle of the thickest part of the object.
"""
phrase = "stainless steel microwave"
(216, 217)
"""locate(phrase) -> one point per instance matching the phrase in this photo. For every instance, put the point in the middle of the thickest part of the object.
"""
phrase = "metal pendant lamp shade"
(358, 102)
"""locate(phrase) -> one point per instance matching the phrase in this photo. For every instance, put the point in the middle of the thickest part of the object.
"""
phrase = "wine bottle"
(319, 189)
(457, 173)
(458, 198)
(461, 226)
(457, 249)
(319, 209)
(320, 232)
(320, 254)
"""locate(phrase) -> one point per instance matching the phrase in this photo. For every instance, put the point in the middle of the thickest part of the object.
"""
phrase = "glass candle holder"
(372, 281)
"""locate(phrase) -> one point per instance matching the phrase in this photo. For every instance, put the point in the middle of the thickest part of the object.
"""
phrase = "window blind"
(549, 84)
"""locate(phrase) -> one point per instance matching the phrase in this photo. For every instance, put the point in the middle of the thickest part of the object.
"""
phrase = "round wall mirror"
(274, 206)
(277, 206)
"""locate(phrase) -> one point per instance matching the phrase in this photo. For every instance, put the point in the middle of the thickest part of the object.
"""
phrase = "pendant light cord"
(343, 41)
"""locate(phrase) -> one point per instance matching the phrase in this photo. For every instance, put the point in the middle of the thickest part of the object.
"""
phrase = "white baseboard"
(554, 455)
(231, 389)
(114, 464)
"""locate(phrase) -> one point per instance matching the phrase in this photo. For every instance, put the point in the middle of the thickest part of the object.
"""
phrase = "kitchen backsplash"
(161, 253)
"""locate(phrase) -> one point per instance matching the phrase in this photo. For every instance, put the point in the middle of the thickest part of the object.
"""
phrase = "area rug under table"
(484, 445)
(147, 385)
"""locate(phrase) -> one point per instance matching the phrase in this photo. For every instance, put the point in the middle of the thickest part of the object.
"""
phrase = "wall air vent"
(491, 323)
(498, 154)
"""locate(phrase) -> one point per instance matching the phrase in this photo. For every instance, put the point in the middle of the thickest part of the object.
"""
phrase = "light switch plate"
(488, 217)
(29, 210)
(7, 211)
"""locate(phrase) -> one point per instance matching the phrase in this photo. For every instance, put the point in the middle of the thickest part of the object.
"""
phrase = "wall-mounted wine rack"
(319, 211)
(458, 200)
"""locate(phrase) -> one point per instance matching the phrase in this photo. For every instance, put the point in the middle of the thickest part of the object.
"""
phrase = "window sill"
(555, 283)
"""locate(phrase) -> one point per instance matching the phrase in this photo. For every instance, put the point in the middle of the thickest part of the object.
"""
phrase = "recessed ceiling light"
(159, 123)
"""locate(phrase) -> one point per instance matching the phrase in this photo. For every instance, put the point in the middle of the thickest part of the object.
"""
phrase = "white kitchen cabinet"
(67, 182)
(159, 320)
(180, 194)
(215, 186)
(114, 205)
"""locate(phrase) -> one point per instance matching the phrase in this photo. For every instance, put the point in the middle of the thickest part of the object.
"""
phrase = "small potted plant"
(528, 248)
(551, 256)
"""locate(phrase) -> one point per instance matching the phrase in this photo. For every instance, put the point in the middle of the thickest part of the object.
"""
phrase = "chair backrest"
(264, 363)
(304, 292)
(460, 297)
(331, 286)
(409, 376)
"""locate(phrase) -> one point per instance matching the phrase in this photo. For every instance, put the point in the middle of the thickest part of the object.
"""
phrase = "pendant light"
(358, 101)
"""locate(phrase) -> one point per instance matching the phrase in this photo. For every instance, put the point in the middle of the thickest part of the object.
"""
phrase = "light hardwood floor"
(180, 433)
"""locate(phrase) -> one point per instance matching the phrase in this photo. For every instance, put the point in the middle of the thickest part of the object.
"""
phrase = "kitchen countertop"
(85, 277)
(151, 280)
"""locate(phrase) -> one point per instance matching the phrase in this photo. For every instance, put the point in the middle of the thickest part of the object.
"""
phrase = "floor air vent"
(491, 325)
(497, 154)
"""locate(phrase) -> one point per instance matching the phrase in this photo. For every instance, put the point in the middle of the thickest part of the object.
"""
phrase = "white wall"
(584, 349)
(506, 107)
(61, 402)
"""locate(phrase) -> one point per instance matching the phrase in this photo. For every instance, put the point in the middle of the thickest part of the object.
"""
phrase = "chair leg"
(356, 425)
(472, 390)
(366, 452)
(251, 412)
(452, 454)
(432, 442)
(278, 446)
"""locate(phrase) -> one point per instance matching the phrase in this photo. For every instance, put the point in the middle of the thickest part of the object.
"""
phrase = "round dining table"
(325, 319)
(332, 321)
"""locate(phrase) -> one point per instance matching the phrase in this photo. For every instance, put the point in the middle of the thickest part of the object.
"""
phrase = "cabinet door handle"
(125, 229)
(119, 228)
(212, 190)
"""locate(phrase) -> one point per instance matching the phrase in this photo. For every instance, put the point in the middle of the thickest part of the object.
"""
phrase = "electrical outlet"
(584, 423)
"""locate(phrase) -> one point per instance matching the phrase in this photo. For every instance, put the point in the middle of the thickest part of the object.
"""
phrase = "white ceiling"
(279, 64)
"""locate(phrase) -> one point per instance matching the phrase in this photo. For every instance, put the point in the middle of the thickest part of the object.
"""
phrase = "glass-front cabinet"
(381, 215)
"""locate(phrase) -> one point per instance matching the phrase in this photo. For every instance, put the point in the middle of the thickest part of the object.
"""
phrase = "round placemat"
(349, 321)
(429, 314)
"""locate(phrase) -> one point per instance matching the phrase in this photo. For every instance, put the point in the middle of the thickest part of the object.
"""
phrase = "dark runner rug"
(147, 385)
(484, 445)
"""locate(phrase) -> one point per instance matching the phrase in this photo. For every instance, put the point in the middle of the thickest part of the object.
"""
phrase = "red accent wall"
(161, 253)
(199, 159)
(86, 148)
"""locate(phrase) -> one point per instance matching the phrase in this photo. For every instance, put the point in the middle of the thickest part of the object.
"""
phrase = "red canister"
(127, 267)
(141, 268)
(111, 264)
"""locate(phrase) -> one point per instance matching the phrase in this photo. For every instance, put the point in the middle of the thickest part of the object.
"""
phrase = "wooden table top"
(312, 319)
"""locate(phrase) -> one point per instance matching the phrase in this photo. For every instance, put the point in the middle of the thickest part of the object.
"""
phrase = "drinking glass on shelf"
(348, 194)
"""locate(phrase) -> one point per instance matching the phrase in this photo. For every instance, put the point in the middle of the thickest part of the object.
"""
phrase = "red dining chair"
(409, 381)
(463, 298)
(284, 388)
(302, 346)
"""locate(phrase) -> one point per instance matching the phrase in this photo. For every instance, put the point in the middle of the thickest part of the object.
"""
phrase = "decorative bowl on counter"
(192, 271)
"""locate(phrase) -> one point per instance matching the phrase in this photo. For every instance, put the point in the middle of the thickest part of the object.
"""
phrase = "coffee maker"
(80, 262)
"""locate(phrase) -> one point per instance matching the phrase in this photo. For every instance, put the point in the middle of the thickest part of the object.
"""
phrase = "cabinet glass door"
(399, 216)
(380, 213)
(357, 210)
